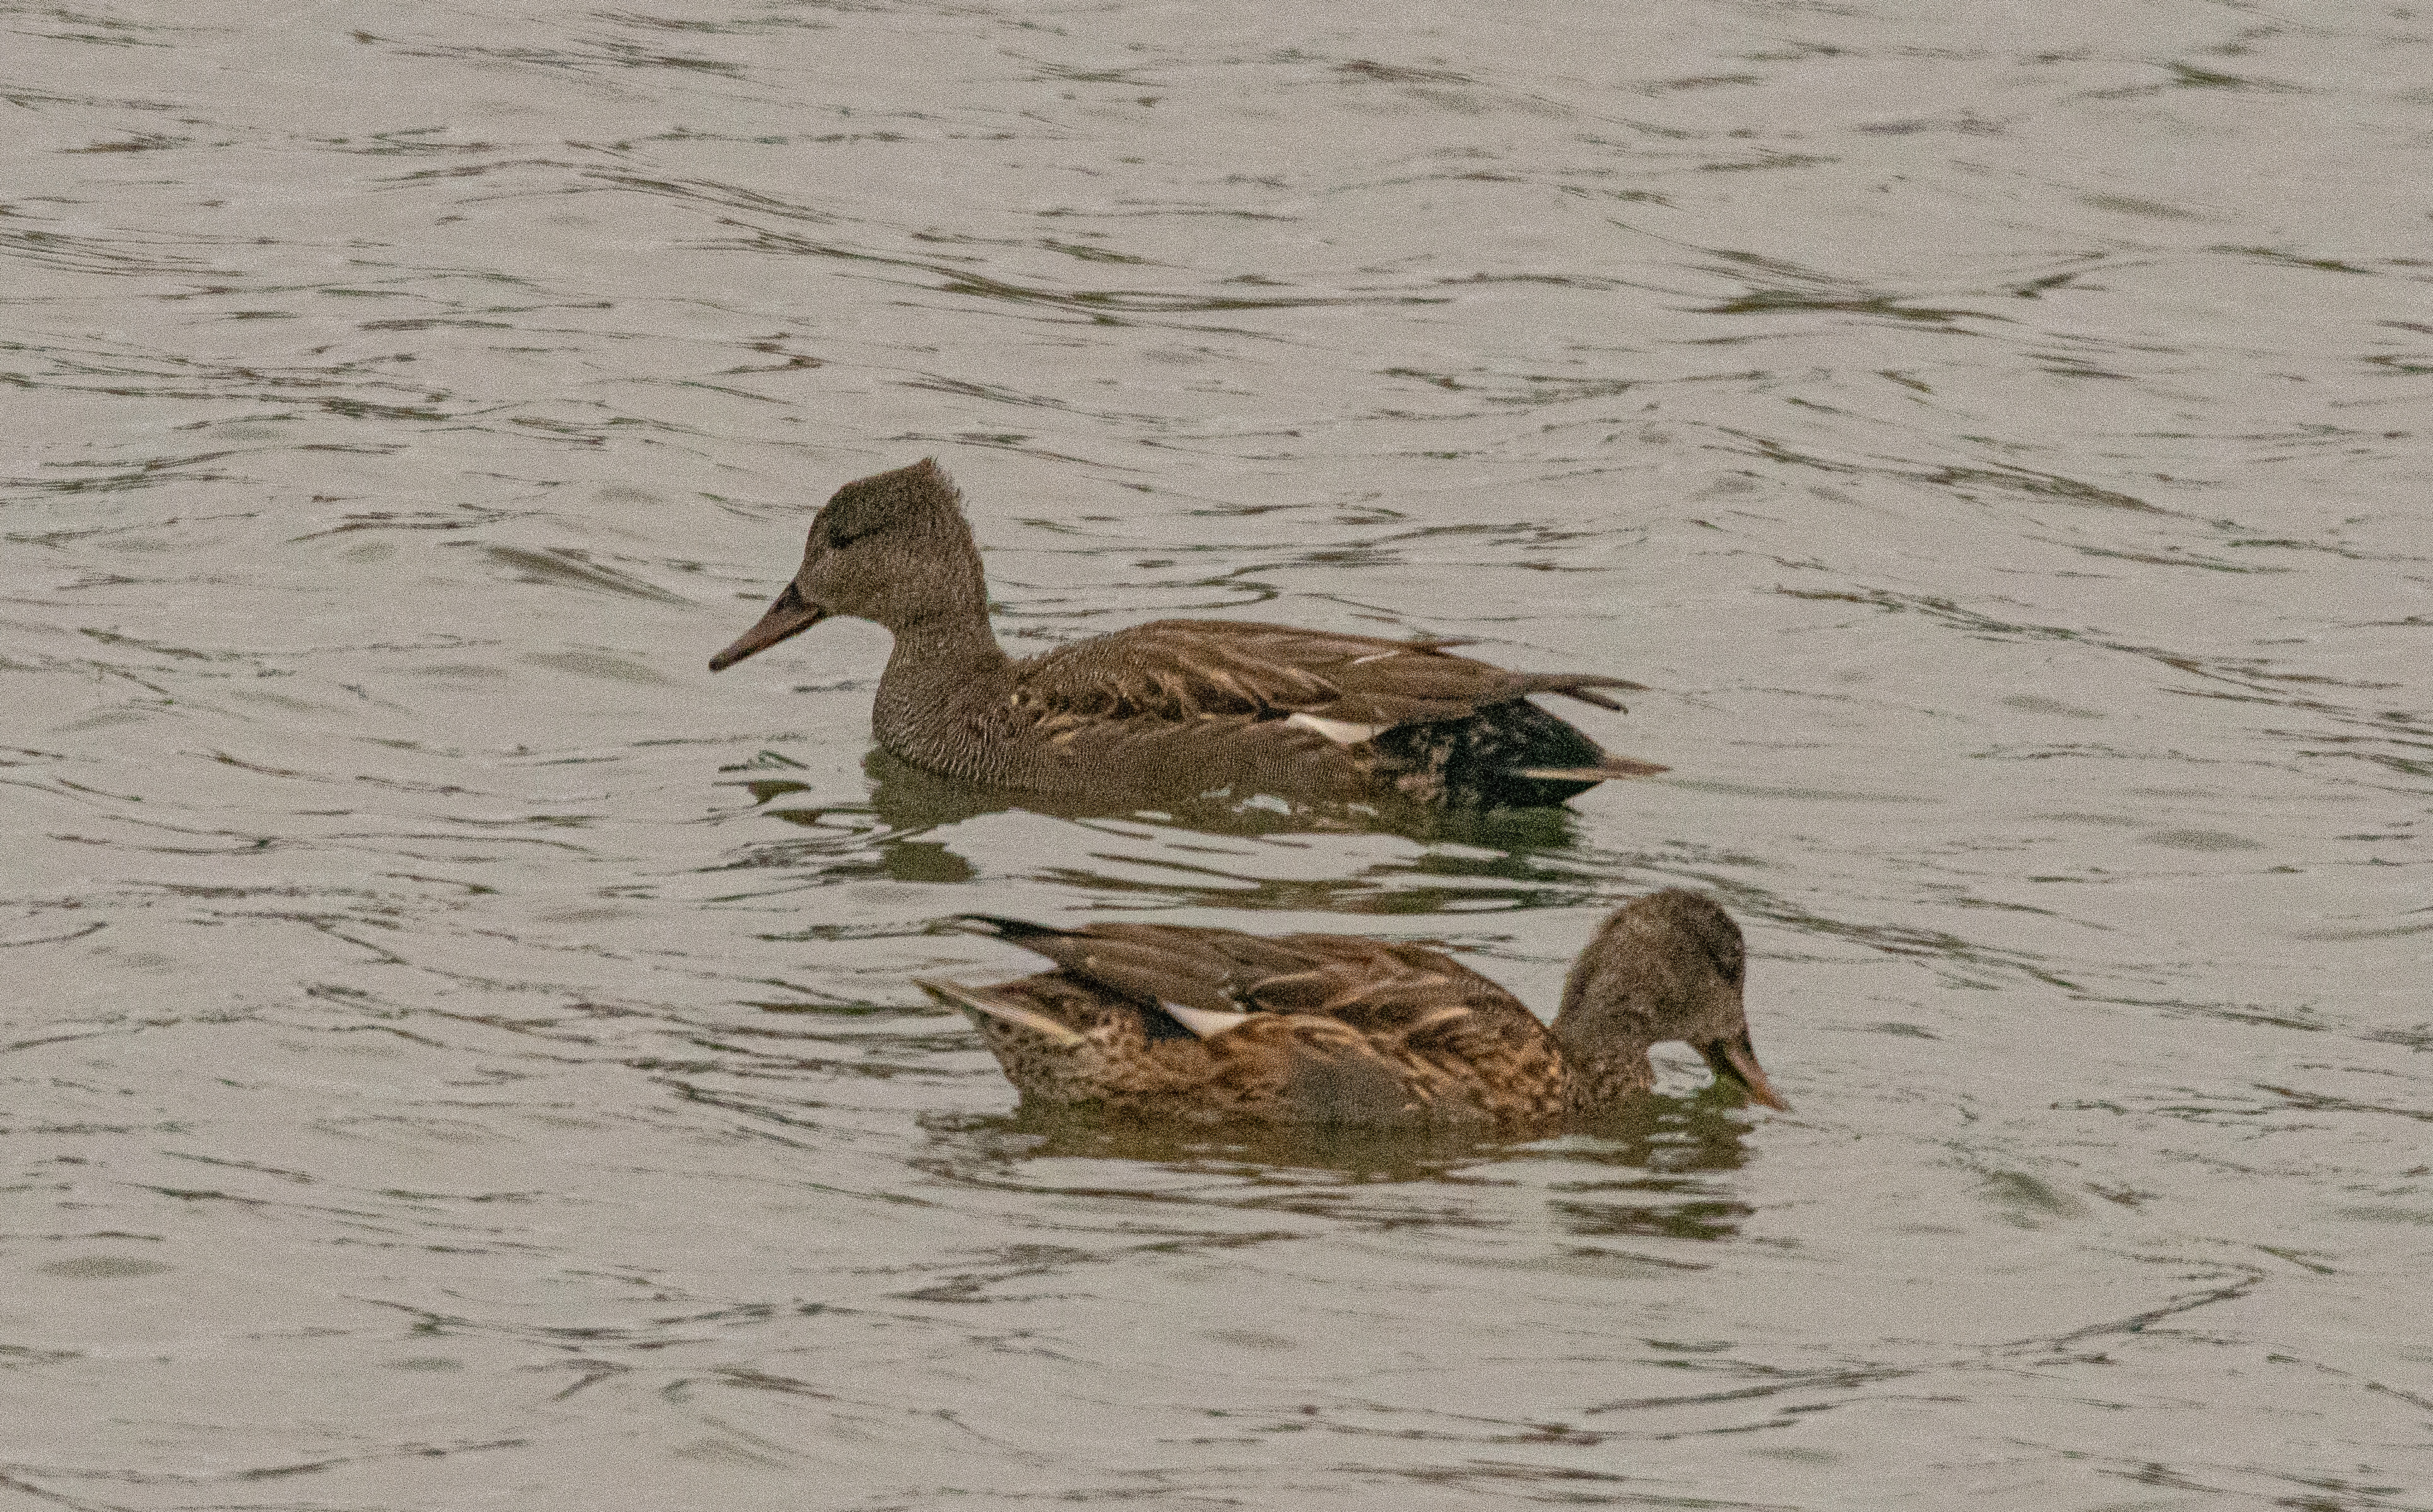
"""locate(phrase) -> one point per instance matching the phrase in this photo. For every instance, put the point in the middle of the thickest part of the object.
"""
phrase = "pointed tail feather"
(954, 995)
(1604, 771)
(1584, 685)
(1005, 928)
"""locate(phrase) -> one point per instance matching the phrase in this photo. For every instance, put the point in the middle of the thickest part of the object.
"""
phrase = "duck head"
(892, 547)
(1668, 966)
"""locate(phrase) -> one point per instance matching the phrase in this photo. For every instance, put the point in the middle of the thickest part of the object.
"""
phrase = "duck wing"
(1188, 670)
(1218, 977)
(1288, 1029)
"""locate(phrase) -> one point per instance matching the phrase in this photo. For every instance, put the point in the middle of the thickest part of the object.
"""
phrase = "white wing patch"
(1207, 1022)
(1374, 656)
(1342, 732)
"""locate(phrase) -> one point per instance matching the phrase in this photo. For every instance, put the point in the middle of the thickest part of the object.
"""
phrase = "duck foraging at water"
(1177, 707)
(1213, 1025)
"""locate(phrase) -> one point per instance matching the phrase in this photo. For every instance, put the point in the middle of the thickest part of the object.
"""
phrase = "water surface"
(458, 1050)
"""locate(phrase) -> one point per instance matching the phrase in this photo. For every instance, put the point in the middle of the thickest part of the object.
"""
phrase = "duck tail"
(1584, 686)
(1605, 769)
(981, 1005)
(1005, 928)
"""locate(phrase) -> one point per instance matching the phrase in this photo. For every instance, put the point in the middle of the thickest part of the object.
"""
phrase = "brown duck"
(1167, 1021)
(1177, 706)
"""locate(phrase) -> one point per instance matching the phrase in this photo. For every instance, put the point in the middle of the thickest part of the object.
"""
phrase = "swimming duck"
(1177, 707)
(1169, 1021)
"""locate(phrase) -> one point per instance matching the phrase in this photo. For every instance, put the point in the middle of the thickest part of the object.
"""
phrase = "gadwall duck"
(1177, 706)
(1167, 1021)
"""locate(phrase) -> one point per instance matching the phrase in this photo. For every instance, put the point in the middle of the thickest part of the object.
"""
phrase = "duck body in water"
(1213, 1025)
(1174, 708)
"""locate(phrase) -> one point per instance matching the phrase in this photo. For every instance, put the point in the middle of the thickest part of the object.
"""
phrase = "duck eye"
(848, 519)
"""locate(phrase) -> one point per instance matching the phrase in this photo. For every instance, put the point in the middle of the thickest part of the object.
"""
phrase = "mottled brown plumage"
(1168, 1021)
(1177, 707)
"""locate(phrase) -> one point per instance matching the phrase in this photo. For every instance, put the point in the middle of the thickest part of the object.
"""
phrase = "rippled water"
(458, 1051)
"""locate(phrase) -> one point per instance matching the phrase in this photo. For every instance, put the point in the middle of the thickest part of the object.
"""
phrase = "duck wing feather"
(1184, 670)
(1377, 987)
(1293, 1029)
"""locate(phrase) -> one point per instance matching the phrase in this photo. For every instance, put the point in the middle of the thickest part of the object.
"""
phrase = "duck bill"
(1735, 1060)
(791, 615)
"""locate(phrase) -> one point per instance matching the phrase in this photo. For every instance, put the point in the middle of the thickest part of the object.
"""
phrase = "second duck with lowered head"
(1175, 707)
(1169, 1022)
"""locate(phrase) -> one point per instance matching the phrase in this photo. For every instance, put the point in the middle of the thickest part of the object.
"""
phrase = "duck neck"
(945, 673)
(1600, 1076)
(1604, 1036)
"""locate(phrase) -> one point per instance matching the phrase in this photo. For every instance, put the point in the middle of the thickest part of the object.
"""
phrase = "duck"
(1184, 707)
(1207, 1026)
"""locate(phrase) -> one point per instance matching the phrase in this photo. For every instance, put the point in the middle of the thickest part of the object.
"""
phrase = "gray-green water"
(457, 1052)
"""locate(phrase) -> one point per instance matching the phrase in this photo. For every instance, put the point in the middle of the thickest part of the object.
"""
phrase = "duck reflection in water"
(909, 799)
(1215, 1026)
(908, 828)
(1641, 1156)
